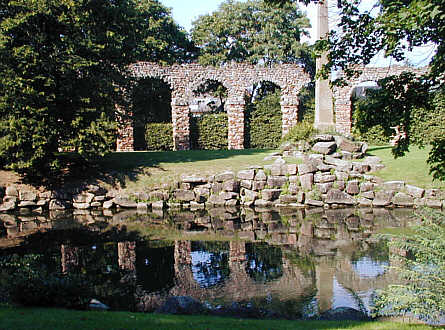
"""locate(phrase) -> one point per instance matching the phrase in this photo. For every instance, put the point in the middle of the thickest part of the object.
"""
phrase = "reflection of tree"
(212, 266)
(263, 262)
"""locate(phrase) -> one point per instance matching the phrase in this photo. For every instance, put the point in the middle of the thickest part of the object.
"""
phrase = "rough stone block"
(313, 202)
(193, 179)
(270, 194)
(393, 185)
(225, 176)
(414, 191)
(402, 199)
(27, 195)
(83, 198)
(366, 186)
(231, 185)
(294, 188)
(291, 169)
(307, 180)
(368, 194)
(158, 205)
(285, 199)
(260, 176)
(246, 174)
(342, 165)
(323, 138)
(382, 198)
(324, 187)
(81, 206)
(246, 184)
(216, 187)
(324, 148)
(348, 145)
(306, 168)
(12, 191)
(353, 187)
(324, 178)
(258, 185)
(184, 195)
(433, 203)
(336, 196)
(125, 202)
(276, 181)
(278, 169)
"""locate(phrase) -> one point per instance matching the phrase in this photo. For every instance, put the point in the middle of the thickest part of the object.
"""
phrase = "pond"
(291, 263)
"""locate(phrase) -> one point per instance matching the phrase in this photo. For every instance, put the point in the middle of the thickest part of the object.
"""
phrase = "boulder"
(336, 196)
(158, 205)
(402, 199)
(306, 168)
(12, 191)
(414, 191)
(382, 198)
(217, 200)
(393, 185)
(108, 204)
(342, 165)
(231, 185)
(193, 179)
(125, 202)
(324, 148)
(225, 176)
(270, 194)
(324, 178)
(83, 198)
(58, 204)
(276, 181)
(27, 195)
(258, 185)
(324, 187)
(348, 145)
(307, 180)
(323, 138)
(353, 187)
(246, 174)
(291, 169)
(7, 206)
(81, 206)
(260, 176)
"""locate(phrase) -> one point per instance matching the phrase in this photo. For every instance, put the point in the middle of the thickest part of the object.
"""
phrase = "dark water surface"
(295, 263)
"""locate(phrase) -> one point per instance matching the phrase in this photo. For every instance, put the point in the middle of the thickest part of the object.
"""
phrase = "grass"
(137, 170)
(412, 168)
(45, 318)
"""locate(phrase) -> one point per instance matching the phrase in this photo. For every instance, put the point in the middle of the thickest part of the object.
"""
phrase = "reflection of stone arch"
(342, 94)
(236, 77)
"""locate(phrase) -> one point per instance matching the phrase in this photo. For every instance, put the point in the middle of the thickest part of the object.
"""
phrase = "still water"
(293, 263)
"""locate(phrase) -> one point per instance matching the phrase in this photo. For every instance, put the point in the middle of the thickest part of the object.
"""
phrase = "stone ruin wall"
(237, 78)
(342, 95)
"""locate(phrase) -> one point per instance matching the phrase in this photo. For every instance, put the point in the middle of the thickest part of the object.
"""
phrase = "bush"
(264, 122)
(374, 135)
(159, 136)
(302, 131)
(209, 132)
(421, 269)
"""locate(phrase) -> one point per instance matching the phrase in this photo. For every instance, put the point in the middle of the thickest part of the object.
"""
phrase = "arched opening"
(370, 122)
(208, 118)
(263, 116)
(152, 115)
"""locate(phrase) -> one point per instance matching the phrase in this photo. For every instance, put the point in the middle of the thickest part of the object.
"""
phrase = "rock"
(184, 195)
(27, 195)
(232, 203)
(324, 148)
(352, 187)
(402, 199)
(225, 176)
(368, 194)
(366, 186)
(306, 168)
(346, 155)
(202, 191)
(27, 204)
(360, 167)
(307, 180)
(7, 206)
(323, 138)
(364, 202)
(250, 195)
(125, 202)
(341, 176)
(270, 194)
(276, 181)
(261, 203)
(278, 169)
(143, 206)
(433, 203)
(108, 204)
(382, 198)
(287, 146)
(348, 145)
(217, 200)
(246, 174)
(193, 179)
(231, 185)
(294, 188)
(343, 314)
(58, 204)
(393, 185)
(324, 178)
(291, 169)
(336, 196)
(246, 184)
(288, 199)
(260, 176)
(12, 191)
(258, 185)
(158, 205)
(372, 160)
(181, 305)
(159, 194)
(279, 161)
(97, 305)
(324, 187)
(364, 147)
(96, 204)
(342, 165)
(226, 195)
(324, 168)
(414, 191)
(313, 202)
(83, 198)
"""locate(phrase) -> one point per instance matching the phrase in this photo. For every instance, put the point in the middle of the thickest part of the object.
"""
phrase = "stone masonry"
(342, 94)
(236, 77)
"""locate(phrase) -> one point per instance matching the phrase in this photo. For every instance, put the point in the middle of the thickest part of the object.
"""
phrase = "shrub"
(209, 132)
(302, 131)
(421, 269)
(159, 136)
(375, 135)
(264, 122)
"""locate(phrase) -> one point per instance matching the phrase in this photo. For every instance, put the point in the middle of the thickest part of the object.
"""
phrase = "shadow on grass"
(371, 149)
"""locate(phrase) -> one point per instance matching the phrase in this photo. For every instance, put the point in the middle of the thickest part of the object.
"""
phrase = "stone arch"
(342, 94)
(236, 77)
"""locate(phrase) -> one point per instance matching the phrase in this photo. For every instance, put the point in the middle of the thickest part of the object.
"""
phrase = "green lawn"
(412, 168)
(139, 170)
(40, 318)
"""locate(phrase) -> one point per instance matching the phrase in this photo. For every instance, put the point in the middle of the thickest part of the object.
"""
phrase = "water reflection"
(295, 263)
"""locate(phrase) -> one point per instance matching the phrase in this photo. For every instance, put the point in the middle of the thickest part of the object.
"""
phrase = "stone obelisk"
(324, 112)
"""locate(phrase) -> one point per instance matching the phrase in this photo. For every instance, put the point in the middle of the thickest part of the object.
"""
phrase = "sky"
(186, 11)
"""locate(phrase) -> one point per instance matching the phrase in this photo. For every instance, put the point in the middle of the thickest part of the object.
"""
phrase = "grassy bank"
(40, 318)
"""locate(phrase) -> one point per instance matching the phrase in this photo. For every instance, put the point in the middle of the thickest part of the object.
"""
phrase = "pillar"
(324, 112)
(70, 258)
(289, 113)
(235, 113)
(127, 255)
(181, 124)
(343, 110)
(125, 136)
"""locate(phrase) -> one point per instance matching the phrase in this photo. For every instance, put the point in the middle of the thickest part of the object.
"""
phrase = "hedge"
(264, 122)
(209, 132)
(159, 136)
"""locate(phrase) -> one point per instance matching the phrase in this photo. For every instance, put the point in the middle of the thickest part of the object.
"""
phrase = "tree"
(253, 32)
(63, 69)
(392, 28)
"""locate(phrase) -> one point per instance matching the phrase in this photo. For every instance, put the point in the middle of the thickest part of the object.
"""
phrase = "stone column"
(324, 112)
(181, 124)
(289, 113)
(125, 136)
(127, 255)
(70, 258)
(235, 113)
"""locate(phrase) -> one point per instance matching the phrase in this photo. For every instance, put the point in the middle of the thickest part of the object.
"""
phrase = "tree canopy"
(253, 32)
(62, 70)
